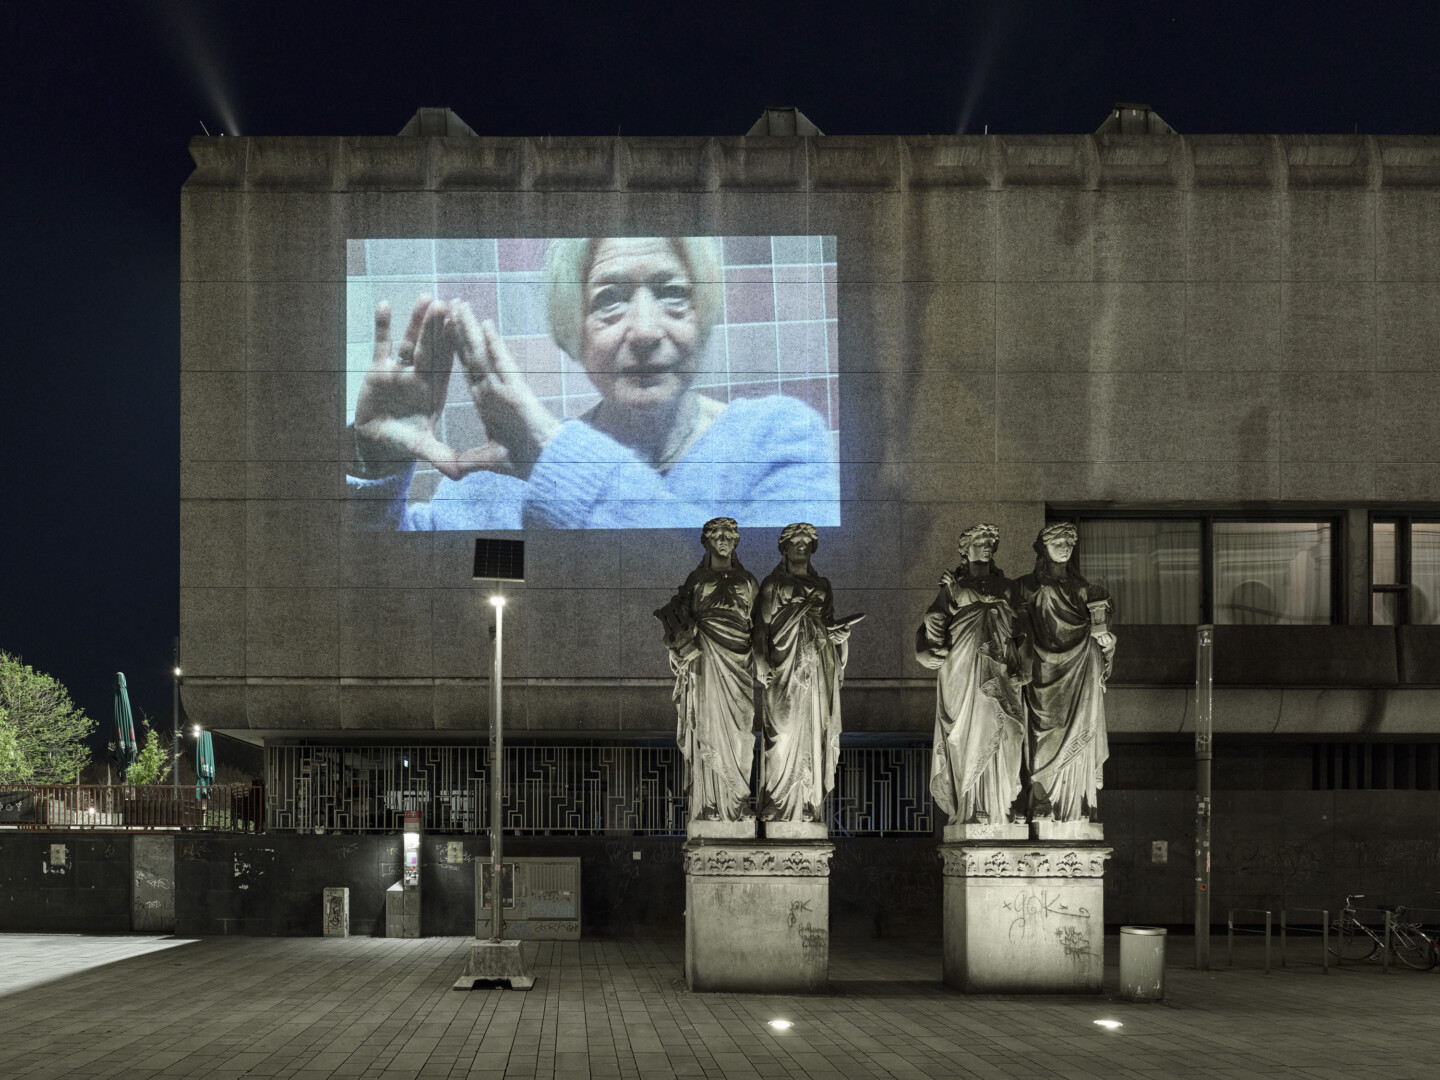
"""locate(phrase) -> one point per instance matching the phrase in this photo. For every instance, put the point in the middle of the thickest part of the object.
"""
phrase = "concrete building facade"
(1218, 330)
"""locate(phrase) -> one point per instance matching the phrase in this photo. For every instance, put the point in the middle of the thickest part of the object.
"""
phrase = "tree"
(42, 732)
(152, 763)
(13, 767)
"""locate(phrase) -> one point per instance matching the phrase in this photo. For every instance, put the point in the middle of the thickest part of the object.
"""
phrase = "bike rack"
(1324, 933)
(1230, 934)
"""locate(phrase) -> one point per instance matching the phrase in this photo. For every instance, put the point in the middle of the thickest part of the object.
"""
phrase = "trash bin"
(1142, 963)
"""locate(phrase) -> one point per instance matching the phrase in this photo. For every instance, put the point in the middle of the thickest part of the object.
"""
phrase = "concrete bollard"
(336, 912)
(1142, 963)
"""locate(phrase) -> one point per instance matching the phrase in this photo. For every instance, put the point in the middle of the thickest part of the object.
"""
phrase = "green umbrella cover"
(123, 746)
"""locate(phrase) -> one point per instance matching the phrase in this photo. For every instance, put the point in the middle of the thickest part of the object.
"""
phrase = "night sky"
(100, 102)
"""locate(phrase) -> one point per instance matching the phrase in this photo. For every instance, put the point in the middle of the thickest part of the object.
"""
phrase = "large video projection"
(592, 383)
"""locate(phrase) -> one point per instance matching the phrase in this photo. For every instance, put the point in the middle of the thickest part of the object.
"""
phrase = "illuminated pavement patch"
(30, 960)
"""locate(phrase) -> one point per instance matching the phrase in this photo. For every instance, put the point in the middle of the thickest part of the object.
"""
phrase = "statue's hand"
(947, 579)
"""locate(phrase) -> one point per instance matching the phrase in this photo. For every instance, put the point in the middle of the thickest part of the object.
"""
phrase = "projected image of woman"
(636, 313)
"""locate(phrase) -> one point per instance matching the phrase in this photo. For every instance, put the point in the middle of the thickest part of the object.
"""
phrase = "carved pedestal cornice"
(1032, 860)
(783, 859)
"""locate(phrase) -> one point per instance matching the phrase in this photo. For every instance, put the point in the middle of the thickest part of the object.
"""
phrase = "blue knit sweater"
(764, 461)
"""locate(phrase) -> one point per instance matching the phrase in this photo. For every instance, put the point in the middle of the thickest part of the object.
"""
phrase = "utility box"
(541, 898)
(335, 914)
(402, 911)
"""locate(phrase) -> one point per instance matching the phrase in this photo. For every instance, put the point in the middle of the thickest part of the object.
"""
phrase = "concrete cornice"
(871, 163)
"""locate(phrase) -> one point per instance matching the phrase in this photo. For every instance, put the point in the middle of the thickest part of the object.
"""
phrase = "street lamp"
(175, 720)
(495, 959)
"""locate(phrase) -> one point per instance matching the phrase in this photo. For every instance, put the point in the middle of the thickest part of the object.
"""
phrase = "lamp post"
(175, 719)
(1204, 733)
(495, 959)
(497, 767)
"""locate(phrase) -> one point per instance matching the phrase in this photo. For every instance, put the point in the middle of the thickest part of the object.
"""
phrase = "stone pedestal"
(1024, 917)
(757, 915)
(1067, 831)
(721, 830)
(495, 962)
(954, 834)
(796, 830)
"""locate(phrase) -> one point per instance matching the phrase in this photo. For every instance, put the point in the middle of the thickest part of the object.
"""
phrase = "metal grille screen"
(555, 789)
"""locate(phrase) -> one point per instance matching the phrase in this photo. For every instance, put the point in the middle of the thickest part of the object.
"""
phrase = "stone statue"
(708, 632)
(968, 639)
(801, 650)
(1069, 651)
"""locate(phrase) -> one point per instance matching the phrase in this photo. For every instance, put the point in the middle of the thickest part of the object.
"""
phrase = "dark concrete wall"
(272, 884)
(1293, 848)
(1272, 849)
(90, 894)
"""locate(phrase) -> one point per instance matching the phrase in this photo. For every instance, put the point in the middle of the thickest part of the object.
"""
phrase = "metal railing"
(1231, 931)
(1287, 928)
(132, 807)
(571, 790)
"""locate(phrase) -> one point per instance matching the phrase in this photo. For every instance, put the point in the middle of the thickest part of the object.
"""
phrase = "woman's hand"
(516, 421)
(397, 415)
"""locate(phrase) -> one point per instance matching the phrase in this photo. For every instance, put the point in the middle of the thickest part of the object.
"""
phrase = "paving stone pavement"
(219, 1008)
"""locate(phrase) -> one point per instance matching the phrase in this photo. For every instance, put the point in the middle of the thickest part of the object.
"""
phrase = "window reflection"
(1151, 568)
(1425, 572)
(1272, 572)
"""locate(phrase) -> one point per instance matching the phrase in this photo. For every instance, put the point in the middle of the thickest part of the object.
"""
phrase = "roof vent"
(442, 121)
(783, 120)
(1129, 119)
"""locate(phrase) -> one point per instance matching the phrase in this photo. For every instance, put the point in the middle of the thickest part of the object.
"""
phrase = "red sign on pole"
(412, 820)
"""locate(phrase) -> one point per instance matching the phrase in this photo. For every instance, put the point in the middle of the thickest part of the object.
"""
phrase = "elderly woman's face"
(642, 334)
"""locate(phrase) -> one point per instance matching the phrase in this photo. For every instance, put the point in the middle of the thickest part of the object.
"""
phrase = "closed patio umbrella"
(124, 745)
(204, 764)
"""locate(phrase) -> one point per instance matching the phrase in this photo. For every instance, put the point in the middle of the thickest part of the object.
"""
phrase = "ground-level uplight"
(1109, 1025)
(780, 1025)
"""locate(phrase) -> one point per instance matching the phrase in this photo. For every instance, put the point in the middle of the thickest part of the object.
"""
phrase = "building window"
(1273, 573)
(1225, 570)
(1404, 572)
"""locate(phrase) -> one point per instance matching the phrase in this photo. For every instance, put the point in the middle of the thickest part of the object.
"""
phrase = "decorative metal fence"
(132, 807)
(556, 789)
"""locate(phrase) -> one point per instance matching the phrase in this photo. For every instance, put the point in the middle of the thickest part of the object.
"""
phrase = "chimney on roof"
(437, 121)
(1130, 119)
(783, 120)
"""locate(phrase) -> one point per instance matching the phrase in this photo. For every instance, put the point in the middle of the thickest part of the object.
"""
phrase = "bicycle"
(1355, 941)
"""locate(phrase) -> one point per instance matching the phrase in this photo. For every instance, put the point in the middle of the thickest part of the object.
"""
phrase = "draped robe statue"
(1069, 651)
(967, 638)
(802, 650)
(708, 632)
